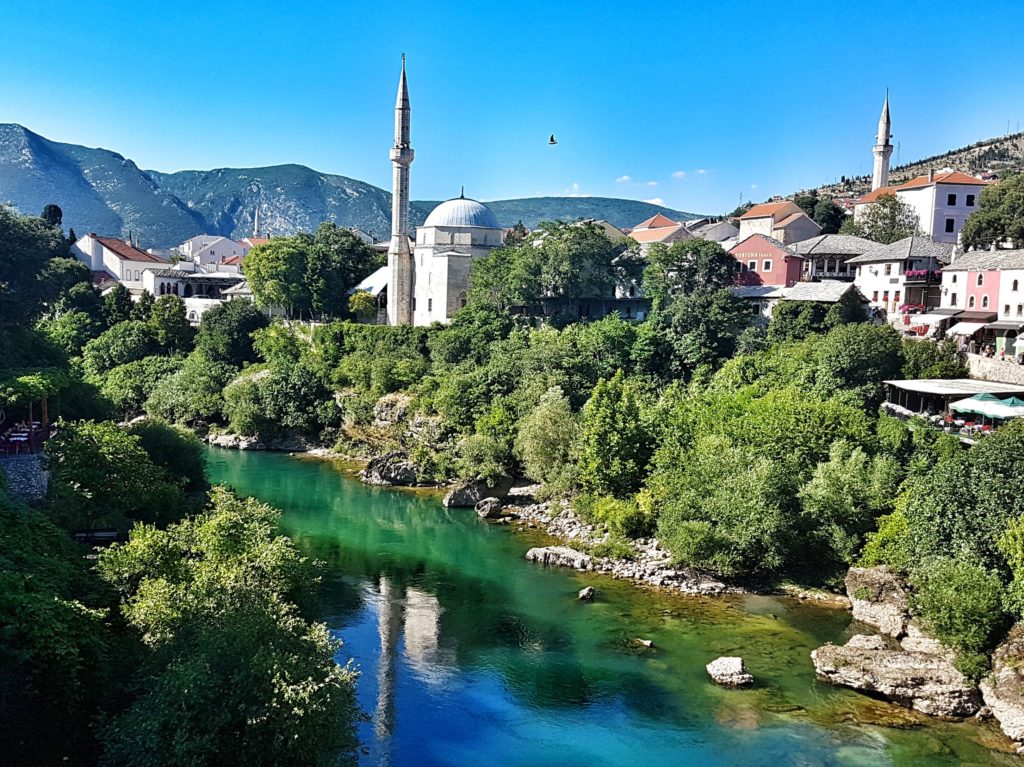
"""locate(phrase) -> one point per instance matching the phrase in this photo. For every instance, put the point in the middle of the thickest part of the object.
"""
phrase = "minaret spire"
(256, 222)
(400, 265)
(883, 148)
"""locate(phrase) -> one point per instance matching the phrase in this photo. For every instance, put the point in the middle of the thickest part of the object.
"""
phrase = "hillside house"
(659, 228)
(766, 261)
(903, 276)
(783, 221)
(827, 255)
(120, 260)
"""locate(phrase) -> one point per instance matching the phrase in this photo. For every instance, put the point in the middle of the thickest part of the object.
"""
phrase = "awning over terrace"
(965, 328)
(990, 406)
(934, 395)
(931, 318)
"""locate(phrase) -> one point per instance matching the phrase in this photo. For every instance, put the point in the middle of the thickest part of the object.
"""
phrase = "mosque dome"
(462, 211)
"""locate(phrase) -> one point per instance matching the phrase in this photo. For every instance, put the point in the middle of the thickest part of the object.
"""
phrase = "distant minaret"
(882, 149)
(400, 263)
(256, 223)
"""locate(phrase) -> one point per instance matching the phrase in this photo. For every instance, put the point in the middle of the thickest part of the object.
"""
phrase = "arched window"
(188, 291)
(163, 287)
(1015, 286)
(984, 302)
(970, 302)
(981, 279)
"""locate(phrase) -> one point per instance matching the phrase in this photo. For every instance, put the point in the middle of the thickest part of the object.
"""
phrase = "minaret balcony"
(402, 155)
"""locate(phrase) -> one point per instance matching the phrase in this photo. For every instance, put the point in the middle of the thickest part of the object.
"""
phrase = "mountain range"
(104, 192)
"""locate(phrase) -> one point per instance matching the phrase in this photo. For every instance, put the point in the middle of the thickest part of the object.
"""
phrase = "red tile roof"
(232, 260)
(254, 241)
(875, 194)
(659, 234)
(656, 221)
(766, 209)
(126, 252)
(949, 177)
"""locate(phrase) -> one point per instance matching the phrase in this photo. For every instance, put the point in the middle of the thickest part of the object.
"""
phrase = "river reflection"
(470, 655)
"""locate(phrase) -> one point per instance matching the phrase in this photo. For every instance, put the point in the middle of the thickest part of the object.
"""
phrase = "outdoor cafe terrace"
(962, 406)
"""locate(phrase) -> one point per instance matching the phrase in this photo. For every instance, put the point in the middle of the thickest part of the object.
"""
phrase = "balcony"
(922, 276)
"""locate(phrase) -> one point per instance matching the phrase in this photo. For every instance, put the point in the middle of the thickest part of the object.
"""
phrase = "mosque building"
(428, 281)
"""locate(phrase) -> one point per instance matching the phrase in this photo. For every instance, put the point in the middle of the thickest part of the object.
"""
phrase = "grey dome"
(462, 212)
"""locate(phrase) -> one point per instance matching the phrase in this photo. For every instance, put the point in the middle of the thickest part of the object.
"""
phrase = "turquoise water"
(469, 655)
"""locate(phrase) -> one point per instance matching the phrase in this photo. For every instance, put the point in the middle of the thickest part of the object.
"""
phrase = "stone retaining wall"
(994, 369)
(24, 477)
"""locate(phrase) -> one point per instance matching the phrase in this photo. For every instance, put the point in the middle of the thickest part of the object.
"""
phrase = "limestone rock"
(391, 409)
(488, 508)
(235, 442)
(471, 492)
(924, 682)
(561, 556)
(390, 469)
(586, 593)
(917, 640)
(1003, 691)
(729, 672)
(879, 599)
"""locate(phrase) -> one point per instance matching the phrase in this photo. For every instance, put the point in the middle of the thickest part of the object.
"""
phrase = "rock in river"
(1004, 689)
(729, 672)
(471, 492)
(586, 593)
(390, 469)
(488, 508)
(924, 682)
(561, 556)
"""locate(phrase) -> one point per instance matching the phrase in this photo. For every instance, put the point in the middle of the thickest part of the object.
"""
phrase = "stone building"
(784, 221)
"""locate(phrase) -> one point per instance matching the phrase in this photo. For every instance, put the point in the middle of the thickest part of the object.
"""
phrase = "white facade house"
(942, 201)
(211, 249)
(122, 261)
(903, 273)
(201, 288)
(783, 221)
(456, 233)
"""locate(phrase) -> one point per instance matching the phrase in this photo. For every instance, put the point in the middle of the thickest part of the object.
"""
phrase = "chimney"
(931, 175)
(992, 247)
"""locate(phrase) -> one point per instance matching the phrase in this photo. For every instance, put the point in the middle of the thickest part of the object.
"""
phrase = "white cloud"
(753, 186)
(651, 183)
(623, 179)
(680, 174)
(656, 201)
(574, 191)
(701, 172)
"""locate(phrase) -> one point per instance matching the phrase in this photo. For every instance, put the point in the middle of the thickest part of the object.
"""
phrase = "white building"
(456, 233)
(211, 249)
(942, 201)
(120, 260)
(201, 288)
(905, 273)
(783, 221)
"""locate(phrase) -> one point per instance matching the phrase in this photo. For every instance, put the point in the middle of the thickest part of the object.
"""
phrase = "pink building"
(982, 290)
(766, 261)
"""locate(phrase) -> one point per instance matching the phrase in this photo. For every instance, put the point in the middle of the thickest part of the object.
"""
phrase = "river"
(469, 655)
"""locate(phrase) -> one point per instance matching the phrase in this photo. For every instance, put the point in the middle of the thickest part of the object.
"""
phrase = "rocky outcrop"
(390, 469)
(561, 556)
(488, 508)
(471, 492)
(1003, 690)
(879, 599)
(647, 563)
(287, 444)
(391, 409)
(586, 594)
(729, 672)
(924, 682)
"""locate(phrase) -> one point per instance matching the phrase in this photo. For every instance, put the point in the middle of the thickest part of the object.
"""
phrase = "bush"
(961, 603)
(545, 438)
(129, 386)
(624, 519)
(175, 450)
(225, 332)
(890, 545)
(123, 343)
(192, 395)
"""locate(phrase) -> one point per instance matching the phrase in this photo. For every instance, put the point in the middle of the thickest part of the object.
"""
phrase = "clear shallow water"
(470, 655)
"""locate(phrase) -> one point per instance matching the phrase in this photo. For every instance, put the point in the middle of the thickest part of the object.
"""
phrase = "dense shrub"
(128, 386)
(192, 395)
(124, 342)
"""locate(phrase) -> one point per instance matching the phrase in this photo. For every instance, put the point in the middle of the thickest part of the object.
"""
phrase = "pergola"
(934, 395)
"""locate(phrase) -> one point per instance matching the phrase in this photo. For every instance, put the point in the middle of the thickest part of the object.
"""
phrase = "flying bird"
(551, 140)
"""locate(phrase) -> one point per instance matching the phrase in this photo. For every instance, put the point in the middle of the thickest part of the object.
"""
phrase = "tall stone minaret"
(882, 149)
(400, 263)
(256, 223)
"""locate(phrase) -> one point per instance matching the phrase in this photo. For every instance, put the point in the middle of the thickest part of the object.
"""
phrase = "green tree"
(52, 215)
(125, 342)
(887, 220)
(829, 216)
(232, 673)
(704, 327)
(143, 308)
(128, 386)
(101, 476)
(225, 332)
(276, 272)
(807, 202)
(545, 438)
(687, 267)
(999, 217)
(614, 443)
(170, 325)
(71, 331)
(363, 304)
(194, 394)
(174, 449)
(26, 246)
(117, 305)
(337, 261)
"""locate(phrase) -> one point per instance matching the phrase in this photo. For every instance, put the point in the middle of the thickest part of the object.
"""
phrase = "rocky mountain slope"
(101, 191)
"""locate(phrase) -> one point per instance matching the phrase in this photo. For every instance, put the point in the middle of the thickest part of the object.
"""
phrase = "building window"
(970, 201)
(896, 297)
(984, 302)
(859, 272)
(430, 304)
(952, 300)
(1006, 310)
(885, 297)
(981, 280)
(888, 269)
(970, 302)
(874, 296)
(950, 223)
(954, 279)
(752, 266)
(1020, 310)
(1015, 286)
(951, 199)
(766, 265)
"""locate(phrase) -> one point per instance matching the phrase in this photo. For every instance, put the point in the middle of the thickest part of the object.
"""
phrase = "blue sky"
(692, 104)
